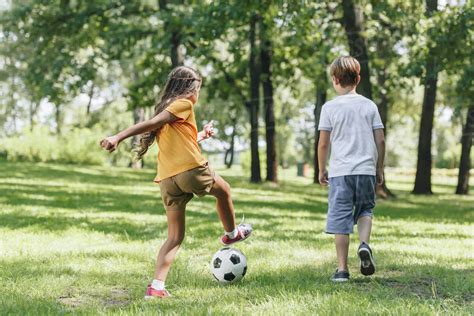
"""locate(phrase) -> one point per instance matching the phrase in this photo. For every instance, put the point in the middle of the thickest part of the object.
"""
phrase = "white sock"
(232, 234)
(158, 284)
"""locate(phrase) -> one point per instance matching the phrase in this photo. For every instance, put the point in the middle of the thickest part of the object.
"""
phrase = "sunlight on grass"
(77, 239)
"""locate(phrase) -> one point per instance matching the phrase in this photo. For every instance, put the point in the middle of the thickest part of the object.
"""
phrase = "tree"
(353, 24)
(430, 80)
(266, 77)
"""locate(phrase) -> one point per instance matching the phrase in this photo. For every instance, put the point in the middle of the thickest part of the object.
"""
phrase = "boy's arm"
(110, 143)
(323, 149)
(379, 138)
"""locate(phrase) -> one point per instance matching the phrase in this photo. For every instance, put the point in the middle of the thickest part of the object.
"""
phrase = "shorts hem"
(338, 232)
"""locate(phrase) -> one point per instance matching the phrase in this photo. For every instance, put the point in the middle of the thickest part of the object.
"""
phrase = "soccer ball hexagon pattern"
(228, 265)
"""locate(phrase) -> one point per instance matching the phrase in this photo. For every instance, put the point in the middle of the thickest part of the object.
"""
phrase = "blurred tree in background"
(72, 71)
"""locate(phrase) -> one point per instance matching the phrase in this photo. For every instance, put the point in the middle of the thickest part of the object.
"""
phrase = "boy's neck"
(347, 90)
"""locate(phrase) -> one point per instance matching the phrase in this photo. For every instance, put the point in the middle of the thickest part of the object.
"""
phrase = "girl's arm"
(110, 143)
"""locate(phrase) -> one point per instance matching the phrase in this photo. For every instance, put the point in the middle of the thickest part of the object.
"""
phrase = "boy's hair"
(345, 69)
(182, 82)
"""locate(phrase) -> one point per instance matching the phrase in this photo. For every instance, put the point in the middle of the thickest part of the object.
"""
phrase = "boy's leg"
(176, 226)
(365, 202)
(225, 207)
(342, 250)
(364, 226)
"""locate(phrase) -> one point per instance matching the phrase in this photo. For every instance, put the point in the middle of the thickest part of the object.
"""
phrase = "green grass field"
(83, 240)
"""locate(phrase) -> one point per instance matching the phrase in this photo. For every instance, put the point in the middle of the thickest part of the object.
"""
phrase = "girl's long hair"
(182, 82)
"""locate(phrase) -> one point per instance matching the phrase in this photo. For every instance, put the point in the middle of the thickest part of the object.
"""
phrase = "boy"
(351, 124)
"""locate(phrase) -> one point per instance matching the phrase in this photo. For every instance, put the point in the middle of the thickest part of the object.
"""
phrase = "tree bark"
(253, 104)
(177, 55)
(382, 190)
(352, 21)
(89, 103)
(353, 25)
(424, 162)
(229, 154)
(466, 145)
(320, 100)
(266, 60)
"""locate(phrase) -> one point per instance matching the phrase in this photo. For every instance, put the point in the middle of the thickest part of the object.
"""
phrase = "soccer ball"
(228, 265)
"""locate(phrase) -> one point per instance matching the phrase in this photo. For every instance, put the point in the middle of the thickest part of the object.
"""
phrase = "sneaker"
(367, 265)
(340, 276)
(152, 293)
(243, 232)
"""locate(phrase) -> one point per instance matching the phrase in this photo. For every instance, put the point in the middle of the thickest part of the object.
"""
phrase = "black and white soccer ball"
(228, 265)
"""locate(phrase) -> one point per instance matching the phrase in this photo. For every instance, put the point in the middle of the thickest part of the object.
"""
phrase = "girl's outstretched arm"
(110, 143)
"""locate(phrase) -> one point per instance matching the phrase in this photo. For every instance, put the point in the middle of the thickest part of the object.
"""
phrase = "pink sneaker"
(152, 293)
(243, 232)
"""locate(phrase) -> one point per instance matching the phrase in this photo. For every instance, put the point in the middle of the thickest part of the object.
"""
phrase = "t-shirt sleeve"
(180, 108)
(324, 121)
(376, 120)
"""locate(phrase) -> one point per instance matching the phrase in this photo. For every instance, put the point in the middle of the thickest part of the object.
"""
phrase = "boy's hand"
(110, 143)
(323, 177)
(379, 177)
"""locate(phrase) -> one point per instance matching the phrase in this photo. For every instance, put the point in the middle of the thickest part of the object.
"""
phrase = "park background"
(80, 227)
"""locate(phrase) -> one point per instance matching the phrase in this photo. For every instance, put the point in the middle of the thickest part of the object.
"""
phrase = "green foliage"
(76, 146)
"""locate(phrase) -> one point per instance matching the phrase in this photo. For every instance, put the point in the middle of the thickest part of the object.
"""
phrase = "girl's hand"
(208, 130)
(110, 143)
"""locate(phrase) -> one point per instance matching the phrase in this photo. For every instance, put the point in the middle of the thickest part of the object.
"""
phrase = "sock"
(232, 234)
(158, 284)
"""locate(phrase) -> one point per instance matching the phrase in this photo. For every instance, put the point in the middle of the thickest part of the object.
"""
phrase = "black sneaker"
(340, 276)
(367, 265)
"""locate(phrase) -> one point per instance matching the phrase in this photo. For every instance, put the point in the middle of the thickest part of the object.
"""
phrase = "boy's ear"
(358, 79)
(334, 79)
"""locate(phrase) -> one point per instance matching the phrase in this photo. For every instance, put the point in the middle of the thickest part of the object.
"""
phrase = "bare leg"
(225, 207)
(364, 226)
(176, 224)
(342, 250)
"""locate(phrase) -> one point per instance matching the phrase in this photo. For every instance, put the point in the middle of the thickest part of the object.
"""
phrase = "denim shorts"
(350, 197)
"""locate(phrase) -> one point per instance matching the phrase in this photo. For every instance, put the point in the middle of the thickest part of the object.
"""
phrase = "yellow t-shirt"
(178, 150)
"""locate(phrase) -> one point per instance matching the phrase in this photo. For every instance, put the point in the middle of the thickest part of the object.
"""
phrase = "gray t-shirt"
(351, 119)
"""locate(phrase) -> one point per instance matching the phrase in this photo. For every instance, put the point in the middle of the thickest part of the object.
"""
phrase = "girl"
(182, 170)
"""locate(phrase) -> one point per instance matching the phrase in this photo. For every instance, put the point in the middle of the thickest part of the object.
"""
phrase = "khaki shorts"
(178, 190)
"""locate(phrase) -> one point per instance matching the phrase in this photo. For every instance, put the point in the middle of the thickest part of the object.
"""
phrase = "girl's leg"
(225, 207)
(176, 225)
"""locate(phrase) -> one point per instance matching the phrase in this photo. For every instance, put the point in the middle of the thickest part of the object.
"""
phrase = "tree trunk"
(320, 100)
(352, 21)
(138, 116)
(466, 145)
(57, 115)
(382, 190)
(423, 165)
(266, 60)
(353, 24)
(89, 103)
(229, 154)
(253, 104)
(177, 55)
(32, 111)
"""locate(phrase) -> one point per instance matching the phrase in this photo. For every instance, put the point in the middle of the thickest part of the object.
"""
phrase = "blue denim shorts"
(350, 197)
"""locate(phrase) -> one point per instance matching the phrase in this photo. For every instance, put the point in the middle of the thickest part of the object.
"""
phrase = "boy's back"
(351, 119)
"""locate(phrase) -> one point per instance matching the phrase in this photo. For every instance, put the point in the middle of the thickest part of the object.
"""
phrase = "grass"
(83, 240)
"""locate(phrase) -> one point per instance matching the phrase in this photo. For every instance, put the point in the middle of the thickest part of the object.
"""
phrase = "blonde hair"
(182, 82)
(346, 70)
